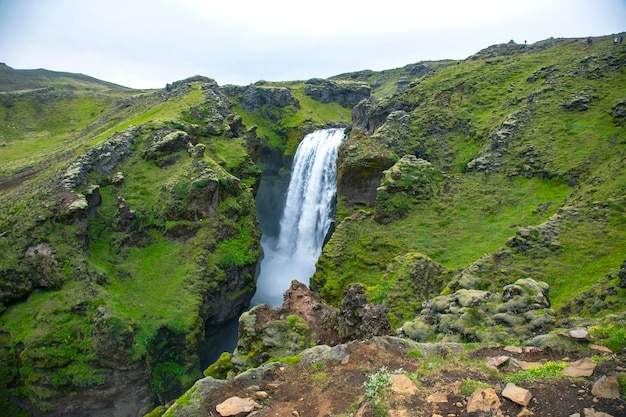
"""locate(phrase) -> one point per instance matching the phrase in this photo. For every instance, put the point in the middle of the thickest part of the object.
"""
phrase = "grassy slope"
(476, 213)
(132, 290)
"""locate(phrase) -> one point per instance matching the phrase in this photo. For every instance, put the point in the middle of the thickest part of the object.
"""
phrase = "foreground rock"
(332, 380)
(303, 321)
(517, 394)
(235, 406)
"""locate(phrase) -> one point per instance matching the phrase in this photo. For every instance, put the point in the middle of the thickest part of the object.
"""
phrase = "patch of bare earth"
(337, 388)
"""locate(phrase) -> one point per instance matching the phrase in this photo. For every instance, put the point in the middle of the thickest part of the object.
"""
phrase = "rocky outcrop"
(619, 113)
(483, 316)
(411, 279)
(163, 143)
(346, 93)
(409, 181)
(622, 275)
(258, 96)
(489, 159)
(368, 115)
(578, 100)
(357, 319)
(537, 239)
(360, 164)
(395, 131)
(102, 158)
(303, 321)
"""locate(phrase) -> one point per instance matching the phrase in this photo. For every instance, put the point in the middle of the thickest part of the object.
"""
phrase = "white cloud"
(143, 43)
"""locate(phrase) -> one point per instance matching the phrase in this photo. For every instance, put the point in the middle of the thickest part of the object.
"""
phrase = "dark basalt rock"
(346, 93)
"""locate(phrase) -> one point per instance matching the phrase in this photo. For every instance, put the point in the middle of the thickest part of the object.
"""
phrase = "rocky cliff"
(142, 239)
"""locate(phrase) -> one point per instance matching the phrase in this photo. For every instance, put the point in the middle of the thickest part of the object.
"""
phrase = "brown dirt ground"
(336, 389)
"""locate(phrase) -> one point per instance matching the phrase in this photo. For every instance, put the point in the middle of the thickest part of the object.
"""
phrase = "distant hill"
(28, 79)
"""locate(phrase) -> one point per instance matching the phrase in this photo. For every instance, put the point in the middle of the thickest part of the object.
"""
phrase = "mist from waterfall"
(308, 212)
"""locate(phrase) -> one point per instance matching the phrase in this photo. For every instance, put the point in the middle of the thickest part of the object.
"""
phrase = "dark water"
(270, 200)
(218, 339)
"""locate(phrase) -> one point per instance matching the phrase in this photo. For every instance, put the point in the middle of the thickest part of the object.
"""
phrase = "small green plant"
(288, 360)
(319, 366)
(415, 353)
(610, 335)
(468, 386)
(549, 370)
(622, 385)
(376, 385)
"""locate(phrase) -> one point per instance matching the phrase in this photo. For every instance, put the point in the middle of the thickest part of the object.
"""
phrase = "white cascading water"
(306, 219)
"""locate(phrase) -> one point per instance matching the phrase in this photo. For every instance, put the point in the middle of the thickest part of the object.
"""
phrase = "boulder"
(578, 334)
(162, 143)
(483, 400)
(193, 403)
(582, 367)
(236, 405)
(606, 387)
(517, 394)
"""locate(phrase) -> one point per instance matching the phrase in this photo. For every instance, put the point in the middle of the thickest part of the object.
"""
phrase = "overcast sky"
(148, 43)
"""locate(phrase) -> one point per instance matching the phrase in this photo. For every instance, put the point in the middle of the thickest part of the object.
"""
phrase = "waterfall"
(307, 216)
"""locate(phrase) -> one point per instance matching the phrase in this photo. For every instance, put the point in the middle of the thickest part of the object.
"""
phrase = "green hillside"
(128, 219)
(127, 224)
(519, 135)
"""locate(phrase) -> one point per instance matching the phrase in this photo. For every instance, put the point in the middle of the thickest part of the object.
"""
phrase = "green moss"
(548, 370)
(221, 367)
(468, 386)
(610, 335)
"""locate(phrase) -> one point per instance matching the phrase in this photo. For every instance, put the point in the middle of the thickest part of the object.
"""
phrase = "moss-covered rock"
(410, 280)
(482, 316)
(360, 164)
(409, 181)
(263, 336)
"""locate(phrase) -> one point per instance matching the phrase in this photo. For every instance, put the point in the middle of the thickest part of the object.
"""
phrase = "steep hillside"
(517, 171)
(128, 225)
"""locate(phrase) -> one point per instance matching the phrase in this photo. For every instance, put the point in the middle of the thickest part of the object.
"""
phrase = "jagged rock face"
(368, 115)
(266, 333)
(103, 158)
(358, 319)
(257, 96)
(346, 93)
(360, 164)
